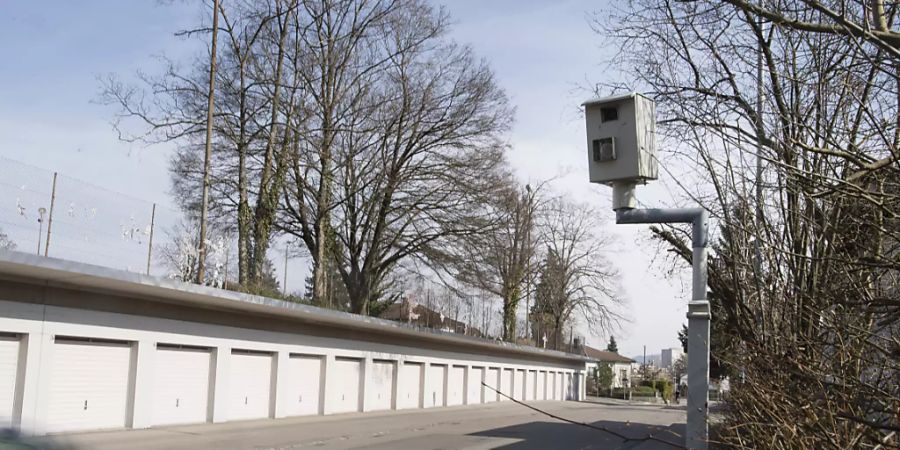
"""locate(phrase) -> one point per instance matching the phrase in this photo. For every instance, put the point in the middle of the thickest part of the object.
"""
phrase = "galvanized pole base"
(698, 376)
(697, 435)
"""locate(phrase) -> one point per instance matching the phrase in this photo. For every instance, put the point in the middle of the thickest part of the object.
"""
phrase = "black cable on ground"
(649, 437)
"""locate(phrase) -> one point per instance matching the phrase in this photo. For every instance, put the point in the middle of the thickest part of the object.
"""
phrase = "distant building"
(417, 314)
(621, 365)
(669, 356)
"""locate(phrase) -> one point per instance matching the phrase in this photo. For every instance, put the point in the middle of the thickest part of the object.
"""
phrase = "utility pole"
(150, 244)
(41, 212)
(207, 160)
(50, 217)
(529, 205)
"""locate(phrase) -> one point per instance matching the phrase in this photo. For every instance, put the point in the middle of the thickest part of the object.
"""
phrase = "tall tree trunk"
(272, 170)
(510, 305)
(323, 215)
(360, 291)
(243, 210)
(557, 334)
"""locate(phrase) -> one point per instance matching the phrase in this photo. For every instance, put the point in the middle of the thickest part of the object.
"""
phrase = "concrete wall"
(310, 372)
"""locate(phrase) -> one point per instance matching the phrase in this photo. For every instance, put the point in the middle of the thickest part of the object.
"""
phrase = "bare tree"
(341, 59)
(409, 160)
(576, 280)
(499, 258)
(804, 281)
(255, 121)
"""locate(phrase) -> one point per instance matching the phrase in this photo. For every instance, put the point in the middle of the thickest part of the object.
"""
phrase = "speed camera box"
(621, 139)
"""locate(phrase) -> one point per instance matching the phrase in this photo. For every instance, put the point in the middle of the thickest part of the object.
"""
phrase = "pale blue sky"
(544, 54)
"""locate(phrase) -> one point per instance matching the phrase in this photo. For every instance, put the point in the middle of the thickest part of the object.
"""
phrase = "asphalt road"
(505, 426)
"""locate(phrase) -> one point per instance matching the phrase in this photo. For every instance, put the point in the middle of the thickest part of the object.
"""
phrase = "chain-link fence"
(51, 214)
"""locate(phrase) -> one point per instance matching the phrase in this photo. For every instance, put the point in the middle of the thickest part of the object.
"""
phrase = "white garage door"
(557, 386)
(519, 385)
(553, 389)
(303, 384)
(9, 364)
(473, 388)
(88, 385)
(250, 384)
(434, 381)
(492, 379)
(345, 385)
(531, 385)
(456, 385)
(181, 385)
(541, 382)
(567, 387)
(506, 383)
(380, 381)
(410, 385)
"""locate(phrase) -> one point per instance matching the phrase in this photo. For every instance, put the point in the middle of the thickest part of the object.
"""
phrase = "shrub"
(643, 390)
(665, 388)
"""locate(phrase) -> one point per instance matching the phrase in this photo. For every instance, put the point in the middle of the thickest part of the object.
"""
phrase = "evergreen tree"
(612, 346)
(550, 300)
(682, 337)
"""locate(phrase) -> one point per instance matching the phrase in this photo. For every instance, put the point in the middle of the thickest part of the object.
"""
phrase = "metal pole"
(698, 315)
(40, 233)
(50, 217)
(150, 244)
(284, 277)
(698, 342)
(528, 275)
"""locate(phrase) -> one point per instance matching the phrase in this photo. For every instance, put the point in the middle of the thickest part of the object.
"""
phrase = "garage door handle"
(176, 402)
(85, 405)
(245, 400)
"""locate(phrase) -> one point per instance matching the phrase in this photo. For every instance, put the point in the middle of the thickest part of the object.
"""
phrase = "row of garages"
(94, 383)
(87, 348)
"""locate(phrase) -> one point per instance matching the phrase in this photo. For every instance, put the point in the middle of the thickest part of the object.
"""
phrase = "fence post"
(50, 218)
(150, 245)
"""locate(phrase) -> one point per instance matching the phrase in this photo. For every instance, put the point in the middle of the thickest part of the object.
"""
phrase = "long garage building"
(89, 348)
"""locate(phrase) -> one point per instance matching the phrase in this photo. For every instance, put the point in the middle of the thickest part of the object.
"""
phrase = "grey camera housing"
(621, 139)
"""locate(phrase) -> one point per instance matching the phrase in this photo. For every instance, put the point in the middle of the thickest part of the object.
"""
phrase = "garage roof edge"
(53, 271)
